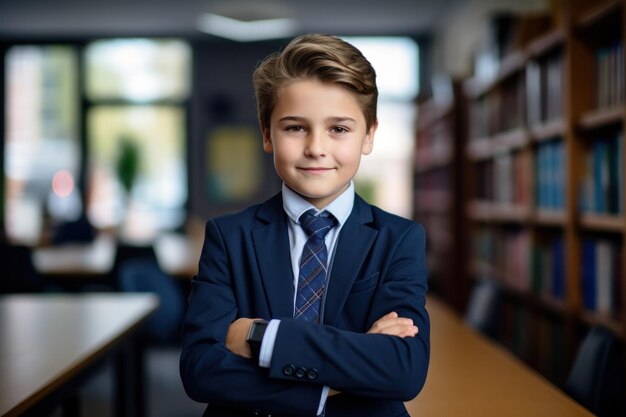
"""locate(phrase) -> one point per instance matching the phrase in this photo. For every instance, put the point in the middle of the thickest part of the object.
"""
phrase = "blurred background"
(125, 125)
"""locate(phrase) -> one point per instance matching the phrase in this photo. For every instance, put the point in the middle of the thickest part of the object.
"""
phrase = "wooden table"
(177, 255)
(47, 342)
(470, 375)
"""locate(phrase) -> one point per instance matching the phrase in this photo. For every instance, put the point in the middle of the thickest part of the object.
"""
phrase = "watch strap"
(255, 337)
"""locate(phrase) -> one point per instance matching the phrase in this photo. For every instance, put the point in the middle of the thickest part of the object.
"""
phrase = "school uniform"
(377, 265)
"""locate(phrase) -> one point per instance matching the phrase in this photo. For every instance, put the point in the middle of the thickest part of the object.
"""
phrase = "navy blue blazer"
(245, 271)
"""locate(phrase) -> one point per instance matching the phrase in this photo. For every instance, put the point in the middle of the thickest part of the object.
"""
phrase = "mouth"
(315, 170)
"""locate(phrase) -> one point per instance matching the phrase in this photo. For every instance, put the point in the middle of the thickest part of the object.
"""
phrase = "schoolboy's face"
(317, 135)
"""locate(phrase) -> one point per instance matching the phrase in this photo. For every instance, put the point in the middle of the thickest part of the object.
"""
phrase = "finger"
(393, 322)
(377, 323)
(381, 325)
(401, 330)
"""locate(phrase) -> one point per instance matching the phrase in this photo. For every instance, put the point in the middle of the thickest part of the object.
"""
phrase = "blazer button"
(300, 372)
(312, 374)
(288, 370)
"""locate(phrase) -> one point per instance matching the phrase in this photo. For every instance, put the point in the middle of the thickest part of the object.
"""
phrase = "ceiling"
(37, 18)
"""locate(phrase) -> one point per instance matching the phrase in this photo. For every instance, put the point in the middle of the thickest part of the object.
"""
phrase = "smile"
(315, 170)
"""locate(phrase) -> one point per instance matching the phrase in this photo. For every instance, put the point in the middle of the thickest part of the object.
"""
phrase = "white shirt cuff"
(267, 345)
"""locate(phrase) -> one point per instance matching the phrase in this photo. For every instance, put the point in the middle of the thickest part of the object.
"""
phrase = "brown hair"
(322, 57)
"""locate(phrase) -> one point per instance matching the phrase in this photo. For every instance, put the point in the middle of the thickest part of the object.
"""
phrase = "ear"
(368, 143)
(267, 141)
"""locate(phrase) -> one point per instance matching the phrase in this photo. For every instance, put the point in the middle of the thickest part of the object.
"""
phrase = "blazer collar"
(355, 241)
(271, 244)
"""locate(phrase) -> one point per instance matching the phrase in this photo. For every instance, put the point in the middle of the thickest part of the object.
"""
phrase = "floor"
(165, 394)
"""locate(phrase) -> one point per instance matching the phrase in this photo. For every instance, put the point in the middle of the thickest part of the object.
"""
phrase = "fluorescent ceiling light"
(244, 31)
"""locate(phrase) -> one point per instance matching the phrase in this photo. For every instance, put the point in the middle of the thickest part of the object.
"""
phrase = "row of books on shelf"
(440, 237)
(610, 75)
(550, 170)
(544, 80)
(506, 252)
(433, 180)
(602, 269)
(504, 179)
(602, 187)
(433, 137)
(548, 268)
(499, 110)
(537, 339)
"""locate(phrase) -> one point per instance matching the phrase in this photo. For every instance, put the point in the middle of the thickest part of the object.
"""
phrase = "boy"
(312, 303)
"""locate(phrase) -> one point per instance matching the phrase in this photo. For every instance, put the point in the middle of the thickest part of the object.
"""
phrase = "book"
(589, 274)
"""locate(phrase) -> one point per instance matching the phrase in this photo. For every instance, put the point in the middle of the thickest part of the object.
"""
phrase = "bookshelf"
(545, 180)
(438, 193)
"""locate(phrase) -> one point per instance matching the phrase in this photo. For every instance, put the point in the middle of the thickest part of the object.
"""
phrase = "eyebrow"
(338, 119)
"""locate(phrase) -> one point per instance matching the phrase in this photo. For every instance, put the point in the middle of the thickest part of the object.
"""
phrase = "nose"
(315, 145)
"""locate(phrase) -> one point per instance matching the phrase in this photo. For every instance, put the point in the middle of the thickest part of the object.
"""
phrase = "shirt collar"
(294, 205)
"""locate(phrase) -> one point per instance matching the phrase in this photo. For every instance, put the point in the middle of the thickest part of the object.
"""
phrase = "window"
(385, 176)
(41, 139)
(135, 96)
(136, 133)
(155, 196)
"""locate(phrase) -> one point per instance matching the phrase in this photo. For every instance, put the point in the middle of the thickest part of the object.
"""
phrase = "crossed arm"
(389, 324)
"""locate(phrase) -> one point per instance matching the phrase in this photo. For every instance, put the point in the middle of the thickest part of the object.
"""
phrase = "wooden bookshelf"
(438, 192)
(556, 245)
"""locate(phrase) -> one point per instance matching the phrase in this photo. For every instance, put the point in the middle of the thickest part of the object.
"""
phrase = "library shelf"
(440, 188)
(602, 223)
(434, 201)
(483, 270)
(498, 212)
(600, 118)
(488, 147)
(510, 65)
(479, 149)
(548, 130)
(597, 16)
(441, 158)
(548, 217)
(562, 152)
(546, 43)
(433, 113)
(593, 318)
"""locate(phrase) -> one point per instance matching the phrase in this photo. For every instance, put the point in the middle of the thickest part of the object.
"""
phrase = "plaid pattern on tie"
(313, 265)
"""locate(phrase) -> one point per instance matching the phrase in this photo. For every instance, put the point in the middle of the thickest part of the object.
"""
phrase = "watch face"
(257, 330)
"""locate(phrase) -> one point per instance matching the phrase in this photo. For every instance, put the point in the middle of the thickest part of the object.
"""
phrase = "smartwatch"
(255, 337)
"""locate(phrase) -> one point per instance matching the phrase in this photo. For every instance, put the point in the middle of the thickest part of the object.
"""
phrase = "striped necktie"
(313, 265)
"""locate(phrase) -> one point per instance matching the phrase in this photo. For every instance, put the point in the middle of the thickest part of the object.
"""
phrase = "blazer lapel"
(271, 244)
(355, 241)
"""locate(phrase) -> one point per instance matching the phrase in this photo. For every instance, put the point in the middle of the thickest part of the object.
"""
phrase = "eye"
(339, 130)
(295, 128)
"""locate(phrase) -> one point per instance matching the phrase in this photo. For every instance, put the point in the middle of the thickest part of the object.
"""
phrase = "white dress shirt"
(294, 205)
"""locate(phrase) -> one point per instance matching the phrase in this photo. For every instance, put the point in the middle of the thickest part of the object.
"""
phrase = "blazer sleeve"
(209, 371)
(369, 365)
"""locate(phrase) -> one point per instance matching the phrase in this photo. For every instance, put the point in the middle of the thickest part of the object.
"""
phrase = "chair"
(127, 251)
(596, 379)
(144, 275)
(76, 231)
(482, 307)
(18, 271)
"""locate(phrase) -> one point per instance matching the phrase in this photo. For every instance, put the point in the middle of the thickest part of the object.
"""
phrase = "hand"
(237, 335)
(393, 325)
